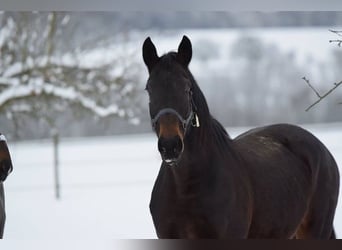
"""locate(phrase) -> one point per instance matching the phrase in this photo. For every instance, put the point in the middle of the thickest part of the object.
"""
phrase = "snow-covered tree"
(43, 72)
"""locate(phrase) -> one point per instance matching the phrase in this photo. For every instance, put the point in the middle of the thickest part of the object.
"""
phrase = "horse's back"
(289, 139)
(288, 164)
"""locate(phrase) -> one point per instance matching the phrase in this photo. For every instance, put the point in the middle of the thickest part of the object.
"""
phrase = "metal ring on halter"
(2, 138)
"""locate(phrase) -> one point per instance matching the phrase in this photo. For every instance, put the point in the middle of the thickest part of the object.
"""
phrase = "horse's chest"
(173, 206)
(184, 218)
(190, 214)
(192, 209)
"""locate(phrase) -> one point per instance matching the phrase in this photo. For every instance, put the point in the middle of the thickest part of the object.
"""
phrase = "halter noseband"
(191, 119)
(185, 122)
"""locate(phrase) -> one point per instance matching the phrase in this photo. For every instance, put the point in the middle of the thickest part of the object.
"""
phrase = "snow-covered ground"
(105, 186)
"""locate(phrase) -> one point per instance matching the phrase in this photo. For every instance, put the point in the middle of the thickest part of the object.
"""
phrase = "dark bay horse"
(5, 169)
(276, 181)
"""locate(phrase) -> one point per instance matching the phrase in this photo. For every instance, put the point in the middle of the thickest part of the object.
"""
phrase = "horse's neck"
(208, 139)
(203, 146)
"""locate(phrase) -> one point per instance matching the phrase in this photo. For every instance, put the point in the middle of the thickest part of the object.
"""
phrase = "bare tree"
(320, 96)
(42, 74)
(335, 85)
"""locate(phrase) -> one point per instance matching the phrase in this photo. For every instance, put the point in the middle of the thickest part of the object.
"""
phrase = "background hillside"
(249, 64)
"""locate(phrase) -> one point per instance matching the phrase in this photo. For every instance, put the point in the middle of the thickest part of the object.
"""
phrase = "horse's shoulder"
(274, 136)
(280, 137)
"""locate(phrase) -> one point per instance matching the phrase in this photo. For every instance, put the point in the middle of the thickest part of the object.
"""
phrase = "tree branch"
(69, 94)
(4, 81)
(336, 84)
(320, 97)
(338, 41)
(314, 90)
(42, 74)
(18, 69)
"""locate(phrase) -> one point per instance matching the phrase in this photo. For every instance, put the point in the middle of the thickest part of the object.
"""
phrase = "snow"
(15, 86)
(303, 41)
(5, 31)
(309, 45)
(13, 69)
(106, 184)
(36, 87)
(65, 20)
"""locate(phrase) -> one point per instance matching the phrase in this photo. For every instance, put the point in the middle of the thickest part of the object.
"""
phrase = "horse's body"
(277, 181)
(294, 179)
(5, 170)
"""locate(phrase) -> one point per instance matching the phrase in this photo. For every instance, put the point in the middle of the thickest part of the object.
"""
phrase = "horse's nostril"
(161, 148)
(170, 148)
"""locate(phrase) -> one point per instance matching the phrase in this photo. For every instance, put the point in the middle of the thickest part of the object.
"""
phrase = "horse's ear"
(184, 51)
(150, 54)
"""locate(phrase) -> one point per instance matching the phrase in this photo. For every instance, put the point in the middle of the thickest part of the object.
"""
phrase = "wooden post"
(56, 164)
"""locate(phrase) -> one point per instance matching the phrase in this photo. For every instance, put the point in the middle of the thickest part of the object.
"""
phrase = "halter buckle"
(195, 121)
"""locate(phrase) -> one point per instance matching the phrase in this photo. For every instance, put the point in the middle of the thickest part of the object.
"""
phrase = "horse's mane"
(210, 127)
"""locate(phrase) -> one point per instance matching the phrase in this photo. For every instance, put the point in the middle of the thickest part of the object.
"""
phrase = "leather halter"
(191, 119)
(185, 122)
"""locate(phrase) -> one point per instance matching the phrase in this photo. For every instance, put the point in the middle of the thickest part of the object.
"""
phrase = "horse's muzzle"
(170, 149)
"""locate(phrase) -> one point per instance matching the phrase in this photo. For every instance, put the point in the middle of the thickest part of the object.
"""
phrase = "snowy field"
(106, 182)
(106, 185)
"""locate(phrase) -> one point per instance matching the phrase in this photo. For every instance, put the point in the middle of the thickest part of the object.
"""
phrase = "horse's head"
(169, 86)
(5, 159)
